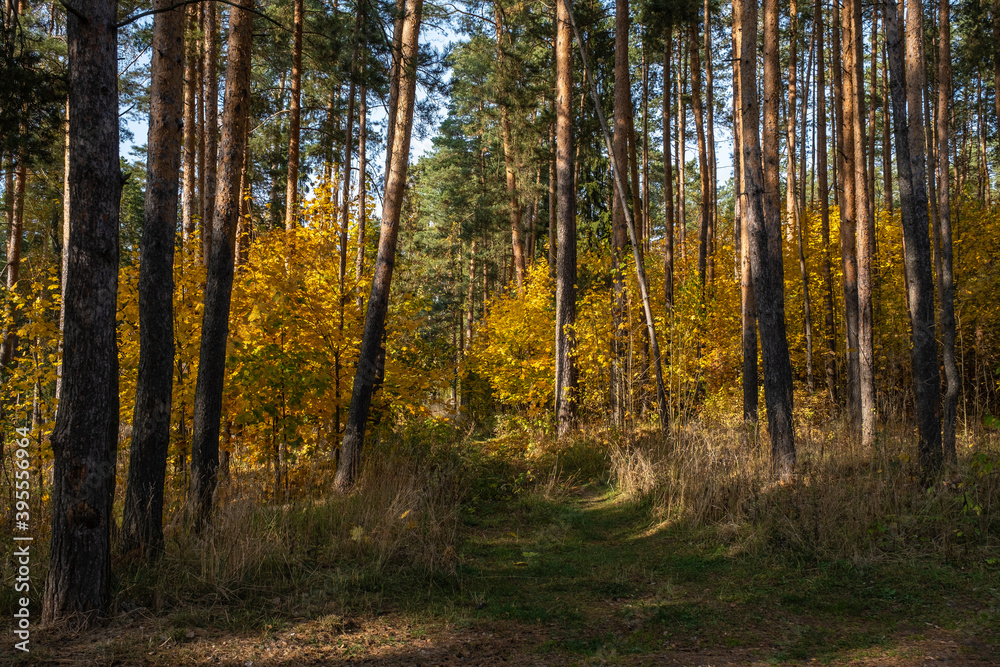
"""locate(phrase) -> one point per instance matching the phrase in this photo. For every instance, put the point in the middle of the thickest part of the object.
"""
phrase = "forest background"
(795, 209)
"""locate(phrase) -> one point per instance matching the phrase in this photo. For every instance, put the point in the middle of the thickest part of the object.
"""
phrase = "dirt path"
(587, 580)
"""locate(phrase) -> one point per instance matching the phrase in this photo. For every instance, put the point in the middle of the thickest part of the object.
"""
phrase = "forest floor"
(576, 575)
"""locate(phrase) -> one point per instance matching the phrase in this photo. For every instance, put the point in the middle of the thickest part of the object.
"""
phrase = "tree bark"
(796, 217)
(378, 302)
(188, 202)
(15, 234)
(359, 263)
(510, 166)
(865, 227)
(619, 159)
(668, 180)
(769, 150)
(77, 588)
(830, 361)
(767, 285)
(748, 307)
(211, 122)
(142, 528)
(946, 278)
(219, 278)
(706, 188)
(566, 370)
(848, 235)
(294, 118)
(908, 130)
(713, 181)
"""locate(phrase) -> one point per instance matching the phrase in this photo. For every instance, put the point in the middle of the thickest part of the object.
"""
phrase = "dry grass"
(403, 513)
(842, 503)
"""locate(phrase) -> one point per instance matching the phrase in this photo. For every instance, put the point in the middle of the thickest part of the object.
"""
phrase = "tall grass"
(844, 502)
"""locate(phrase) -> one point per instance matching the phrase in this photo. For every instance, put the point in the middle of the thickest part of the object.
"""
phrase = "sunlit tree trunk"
(142, 515)
(366, 373)
(830, 357)
(713, 213)
(552, 200)
(706, 188)
(359, 263)
(294, 118)
(510, 166)
(15, 234)
(748, 309)
(219, 276)
(668, 179)
(77, 588)
(865, 228)
(566, 383)
(796, 217)
(623, 101)
(844, 92)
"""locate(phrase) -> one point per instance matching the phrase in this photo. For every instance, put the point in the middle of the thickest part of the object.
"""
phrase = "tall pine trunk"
(768, 286)
(142, 528)
(219, 277)
(623, 101)
(366, 372)
(294, 118)
(668, 178)
(908, 129)
(946, 278)
(77, 588)
(830, 355)
(566, 370)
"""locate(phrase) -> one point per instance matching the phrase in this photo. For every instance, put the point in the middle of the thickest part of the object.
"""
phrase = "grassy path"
(583, 578)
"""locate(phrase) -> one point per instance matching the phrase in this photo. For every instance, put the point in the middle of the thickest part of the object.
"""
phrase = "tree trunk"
(886, 130)
(748, 308)
(796, 212)
(378, 302)
(342, 242)
(830, 361)
(211, 122)
(77, 588)
(619, 160)
(769, 151)
(294, 118)
(359, 263)
(946, 279)
(908, 130)
(188, 203)
(219, 278)
(767, 285)
(553, 224)
(142, 528)
(566, 370)
(706, 188)
(394, 71)
(847, 201)
(865, 227)
(510, 166)
(668, 180)
(647, 225)
(713, 181)
(15, 234)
